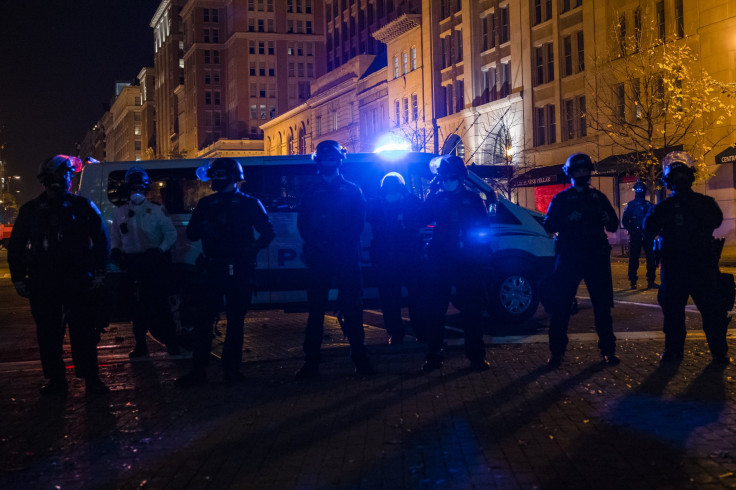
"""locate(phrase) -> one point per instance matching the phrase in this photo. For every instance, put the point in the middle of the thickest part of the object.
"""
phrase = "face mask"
(137, 198)
(220, 184)
(450, 185)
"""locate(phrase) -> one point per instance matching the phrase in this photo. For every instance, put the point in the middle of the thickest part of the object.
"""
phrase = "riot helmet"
(393, 185)
(451, 167)
(136, 176)
(575, 161)
(222, 171)
(55, 172)
(640, 187)
(678, 169)
(329, 150)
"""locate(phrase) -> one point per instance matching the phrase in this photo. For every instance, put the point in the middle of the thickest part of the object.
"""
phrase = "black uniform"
(633, 221)
(330, 222)
(57, 246)
(396, 256)
(685, 222)
(457, 255)
(583, 253)
(225, 221)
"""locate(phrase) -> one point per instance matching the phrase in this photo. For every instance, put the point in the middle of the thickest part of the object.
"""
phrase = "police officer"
(456, 255)
(580, 215)
(633, 221)
(141, 238)
(57, 255)
(685, 222)
(330, 221)
(396, 252)
(225, 222)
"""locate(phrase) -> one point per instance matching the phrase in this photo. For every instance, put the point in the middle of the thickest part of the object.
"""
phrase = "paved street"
(519, 425)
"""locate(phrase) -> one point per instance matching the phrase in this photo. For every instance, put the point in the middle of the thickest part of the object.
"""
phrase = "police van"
(520, 251)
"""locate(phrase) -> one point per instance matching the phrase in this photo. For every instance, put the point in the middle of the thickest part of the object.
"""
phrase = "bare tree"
(652, 96)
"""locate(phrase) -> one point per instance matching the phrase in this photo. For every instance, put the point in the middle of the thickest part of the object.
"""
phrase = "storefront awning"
(625, 163)
(548, 175)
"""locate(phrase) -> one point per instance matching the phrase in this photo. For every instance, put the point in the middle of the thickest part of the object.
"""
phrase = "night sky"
(59, 62)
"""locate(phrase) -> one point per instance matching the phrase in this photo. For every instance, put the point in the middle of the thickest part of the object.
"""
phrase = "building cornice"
(159, 12)
(397, 27)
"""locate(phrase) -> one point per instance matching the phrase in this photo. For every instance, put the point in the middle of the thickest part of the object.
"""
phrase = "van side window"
(178, 189)
(278, 187)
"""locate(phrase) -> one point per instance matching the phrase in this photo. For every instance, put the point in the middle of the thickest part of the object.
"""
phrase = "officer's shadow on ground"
(642, 442)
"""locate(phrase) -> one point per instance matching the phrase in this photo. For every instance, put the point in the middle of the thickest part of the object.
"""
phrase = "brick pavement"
(518, 425)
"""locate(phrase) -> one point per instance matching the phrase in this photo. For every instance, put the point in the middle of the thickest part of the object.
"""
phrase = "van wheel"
(513, 295)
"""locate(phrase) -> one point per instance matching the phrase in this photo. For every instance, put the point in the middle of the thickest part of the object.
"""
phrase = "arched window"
(279, 147)
(290, 142)
(454, 146)
(302, 141)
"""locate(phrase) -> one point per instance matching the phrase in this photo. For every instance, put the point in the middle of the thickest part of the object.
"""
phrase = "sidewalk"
(519, 425)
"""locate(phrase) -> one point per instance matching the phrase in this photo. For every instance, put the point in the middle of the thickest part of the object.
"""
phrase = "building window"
(216, 57)
(396, 67)
(568, 4)
(545, 127)
(567, 55)
(660, 20)
(334, 120)
(505, 74)
(397, 112)
(621, 32)
(491, 93)
(449, 102)
(568, 130)
(413, 56)
(460, 96)
(206, 35)
(208, 97)
(253, 111)
(542, 11)
(620, 108)
(206, 14)
(207, 58)
(505, 32)
(404, 62)
(414, 107)
(581, 51)
(679, 19)
(544, 63)
(575, 121)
